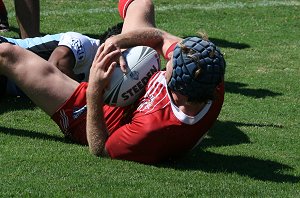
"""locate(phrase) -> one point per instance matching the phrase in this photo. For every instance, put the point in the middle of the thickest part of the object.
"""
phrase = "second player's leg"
(41, 81)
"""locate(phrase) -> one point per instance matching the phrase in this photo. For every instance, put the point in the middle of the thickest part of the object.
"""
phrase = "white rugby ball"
(125, 89)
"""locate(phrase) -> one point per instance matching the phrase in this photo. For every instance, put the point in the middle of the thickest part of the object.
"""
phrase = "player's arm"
(153, 37)
(101, 70)
(63, 58)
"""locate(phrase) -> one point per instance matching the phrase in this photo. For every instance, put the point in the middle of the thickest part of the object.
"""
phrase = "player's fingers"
(111, 68)
(103, 50)
(98, 53)
(107, 49)
(109, 58)
(100, 50)
(109, 73)
(123, 64)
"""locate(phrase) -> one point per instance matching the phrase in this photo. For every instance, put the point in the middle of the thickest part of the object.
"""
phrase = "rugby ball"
(125, 89)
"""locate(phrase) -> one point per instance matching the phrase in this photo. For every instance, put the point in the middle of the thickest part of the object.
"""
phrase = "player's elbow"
(95, 151)
(98, 151)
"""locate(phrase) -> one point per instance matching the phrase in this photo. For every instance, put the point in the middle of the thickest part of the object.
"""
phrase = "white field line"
(182, 6)
(224, 5)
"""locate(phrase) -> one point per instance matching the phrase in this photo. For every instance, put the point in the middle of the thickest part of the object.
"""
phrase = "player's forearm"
(152, 37)
(95, 127)
(62, 57)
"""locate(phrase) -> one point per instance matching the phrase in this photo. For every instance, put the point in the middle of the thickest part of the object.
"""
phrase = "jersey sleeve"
(128, 143)
(169, 50)
(139, 141)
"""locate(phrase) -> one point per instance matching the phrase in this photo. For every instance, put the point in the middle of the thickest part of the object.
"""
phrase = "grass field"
(252, 151)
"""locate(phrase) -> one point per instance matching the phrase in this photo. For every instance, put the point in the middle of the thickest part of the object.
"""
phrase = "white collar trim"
(190, 120)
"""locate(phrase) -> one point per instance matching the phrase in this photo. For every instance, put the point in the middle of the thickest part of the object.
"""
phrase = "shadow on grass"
(33, 135)
(258, 169)
(8, 104)
(228, 134)
(241, 88)
(15, 103)
(224, 134)
(228, 44)
(224, 43)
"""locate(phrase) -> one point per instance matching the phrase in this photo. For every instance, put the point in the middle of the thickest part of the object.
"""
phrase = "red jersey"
(151, 130)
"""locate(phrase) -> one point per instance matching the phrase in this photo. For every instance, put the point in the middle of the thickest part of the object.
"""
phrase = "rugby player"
(178, 108)
(71, 52)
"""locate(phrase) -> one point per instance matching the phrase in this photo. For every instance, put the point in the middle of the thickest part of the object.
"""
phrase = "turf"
(253, 149)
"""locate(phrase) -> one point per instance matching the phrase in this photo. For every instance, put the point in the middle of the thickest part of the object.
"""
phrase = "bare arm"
(101, 70)
(96, 129)
(158, 39)
(63, 58)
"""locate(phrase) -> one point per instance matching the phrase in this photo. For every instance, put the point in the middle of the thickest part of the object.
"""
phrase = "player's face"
(169, 69)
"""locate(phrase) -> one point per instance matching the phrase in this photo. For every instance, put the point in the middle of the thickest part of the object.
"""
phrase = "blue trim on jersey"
(31, 42)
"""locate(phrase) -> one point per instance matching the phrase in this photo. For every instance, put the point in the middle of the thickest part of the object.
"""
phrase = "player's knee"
(148, 4)
(7, 52)
(6, 49)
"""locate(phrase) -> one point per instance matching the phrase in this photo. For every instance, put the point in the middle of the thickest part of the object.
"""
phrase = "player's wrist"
(114, 40)
(94, 93)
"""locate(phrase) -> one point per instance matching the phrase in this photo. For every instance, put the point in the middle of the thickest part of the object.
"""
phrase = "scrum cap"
(198, 67)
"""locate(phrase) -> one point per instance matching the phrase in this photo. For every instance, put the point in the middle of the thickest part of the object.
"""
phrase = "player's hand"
(102, 68)
(122, 63)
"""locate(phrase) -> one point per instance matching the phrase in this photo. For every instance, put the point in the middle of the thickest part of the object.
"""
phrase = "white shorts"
(84, 50)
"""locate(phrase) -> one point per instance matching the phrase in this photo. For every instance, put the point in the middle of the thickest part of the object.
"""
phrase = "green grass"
(253, 149)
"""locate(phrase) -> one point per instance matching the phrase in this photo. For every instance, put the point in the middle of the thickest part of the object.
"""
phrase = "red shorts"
(71, 116)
